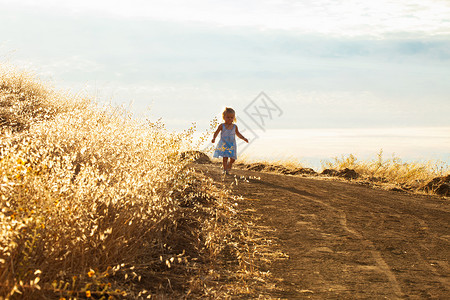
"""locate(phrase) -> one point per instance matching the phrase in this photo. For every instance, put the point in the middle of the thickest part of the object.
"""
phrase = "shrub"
(95, 203)
(392, 170)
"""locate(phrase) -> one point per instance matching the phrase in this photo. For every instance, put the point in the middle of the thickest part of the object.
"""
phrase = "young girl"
(226, 147)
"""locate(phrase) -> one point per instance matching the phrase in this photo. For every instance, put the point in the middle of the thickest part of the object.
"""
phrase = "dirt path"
(346, 240)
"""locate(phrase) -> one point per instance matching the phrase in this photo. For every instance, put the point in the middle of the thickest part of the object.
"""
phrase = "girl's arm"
(240, 135)
(216, 133)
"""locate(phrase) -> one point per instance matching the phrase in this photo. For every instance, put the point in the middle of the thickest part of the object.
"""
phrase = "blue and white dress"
(227, 143)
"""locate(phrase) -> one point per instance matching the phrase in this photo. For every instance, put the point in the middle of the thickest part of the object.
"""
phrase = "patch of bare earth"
(347, 241)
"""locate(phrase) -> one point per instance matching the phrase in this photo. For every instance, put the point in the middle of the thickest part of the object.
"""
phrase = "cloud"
(339, 18)
(357, 81)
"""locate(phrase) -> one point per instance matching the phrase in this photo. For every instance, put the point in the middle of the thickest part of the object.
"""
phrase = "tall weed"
(96, 203)
(391, 170)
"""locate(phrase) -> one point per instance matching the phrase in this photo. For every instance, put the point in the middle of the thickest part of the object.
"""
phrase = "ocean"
(312, 146)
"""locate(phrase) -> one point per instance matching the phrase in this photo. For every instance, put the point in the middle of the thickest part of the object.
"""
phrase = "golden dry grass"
(98, 204)
(391, 170)
(386, 172)
(291, 163)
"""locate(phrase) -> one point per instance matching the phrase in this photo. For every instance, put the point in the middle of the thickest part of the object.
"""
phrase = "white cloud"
(174, 66)
(343, 18)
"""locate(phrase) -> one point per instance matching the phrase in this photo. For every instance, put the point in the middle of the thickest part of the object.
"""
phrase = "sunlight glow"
(314, 145)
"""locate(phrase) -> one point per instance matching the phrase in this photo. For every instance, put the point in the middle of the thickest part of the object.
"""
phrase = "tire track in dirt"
(413, 209)
(348, 241)
(376, 255)
(382, 265)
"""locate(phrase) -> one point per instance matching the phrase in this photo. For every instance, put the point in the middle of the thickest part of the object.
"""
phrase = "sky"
(323, 63)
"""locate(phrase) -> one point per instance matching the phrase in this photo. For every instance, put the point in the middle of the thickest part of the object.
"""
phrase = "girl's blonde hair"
(229, 110)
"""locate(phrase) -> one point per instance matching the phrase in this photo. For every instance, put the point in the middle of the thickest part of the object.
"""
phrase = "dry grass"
(291, 163)
(388, 173)
(392, 170)
(97, 204)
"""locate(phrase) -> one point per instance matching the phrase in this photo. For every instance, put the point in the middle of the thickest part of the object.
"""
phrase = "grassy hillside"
(97, 204)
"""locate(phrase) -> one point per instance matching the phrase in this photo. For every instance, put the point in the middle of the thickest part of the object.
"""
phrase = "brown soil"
(347, 241)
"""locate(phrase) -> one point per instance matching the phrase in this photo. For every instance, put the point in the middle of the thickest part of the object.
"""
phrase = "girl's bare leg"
(230, 164)
(225, 163)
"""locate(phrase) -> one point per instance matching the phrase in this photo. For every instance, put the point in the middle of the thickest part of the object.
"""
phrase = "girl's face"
(229, 118)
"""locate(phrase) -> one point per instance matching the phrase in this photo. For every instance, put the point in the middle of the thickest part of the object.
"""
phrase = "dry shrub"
(391, 170)
(95, 203)
(24, 100)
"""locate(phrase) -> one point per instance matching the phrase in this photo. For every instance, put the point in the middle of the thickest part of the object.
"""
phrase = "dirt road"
(348, 241)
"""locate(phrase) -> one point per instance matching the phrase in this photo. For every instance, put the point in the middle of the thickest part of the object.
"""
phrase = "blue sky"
(327, 64)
